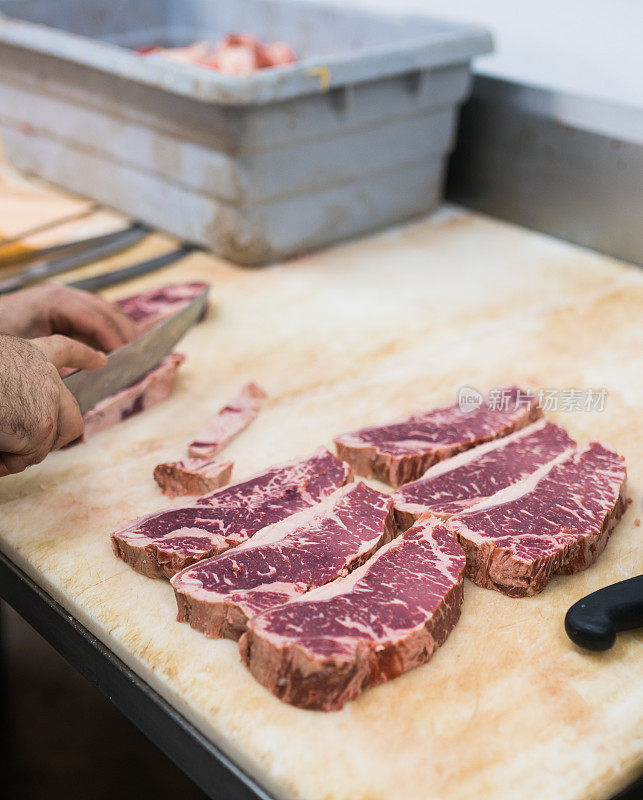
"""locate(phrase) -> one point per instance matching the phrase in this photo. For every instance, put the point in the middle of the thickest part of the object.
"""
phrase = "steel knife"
(78, 254)
(96, 282)
(127, 364)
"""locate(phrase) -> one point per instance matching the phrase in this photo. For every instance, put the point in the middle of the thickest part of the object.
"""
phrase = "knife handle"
(593, 622)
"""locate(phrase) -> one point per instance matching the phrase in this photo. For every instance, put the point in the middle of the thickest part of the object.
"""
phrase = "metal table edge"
(208, 766)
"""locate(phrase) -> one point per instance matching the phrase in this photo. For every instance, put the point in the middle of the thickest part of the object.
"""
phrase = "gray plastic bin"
(352, 137)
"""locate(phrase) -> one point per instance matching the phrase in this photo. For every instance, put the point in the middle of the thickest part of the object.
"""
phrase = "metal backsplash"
(565, 165)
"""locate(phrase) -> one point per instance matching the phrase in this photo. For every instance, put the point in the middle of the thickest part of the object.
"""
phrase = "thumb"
(62, 352)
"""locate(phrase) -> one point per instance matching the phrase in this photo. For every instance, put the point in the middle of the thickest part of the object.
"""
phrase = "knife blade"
(127, 364)
(104, 246)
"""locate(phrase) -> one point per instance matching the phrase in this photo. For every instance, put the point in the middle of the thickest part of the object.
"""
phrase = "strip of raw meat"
(403, 450)
(150, 390)
(228, 422)
(309, 549)
(192, 476)
(150, 308)
(557, 520)
(162, 544)
(460, 482)
(388, 616)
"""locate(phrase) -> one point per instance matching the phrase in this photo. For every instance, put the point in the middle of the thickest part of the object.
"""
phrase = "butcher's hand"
(37, 411)
(52, 308)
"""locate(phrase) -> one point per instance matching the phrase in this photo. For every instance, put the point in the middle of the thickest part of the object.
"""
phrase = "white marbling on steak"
(388, 616)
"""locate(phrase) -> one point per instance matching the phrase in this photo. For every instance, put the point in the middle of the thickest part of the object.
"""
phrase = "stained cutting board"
(355, 335)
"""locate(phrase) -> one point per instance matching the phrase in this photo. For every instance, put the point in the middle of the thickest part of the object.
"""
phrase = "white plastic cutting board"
(355, 335)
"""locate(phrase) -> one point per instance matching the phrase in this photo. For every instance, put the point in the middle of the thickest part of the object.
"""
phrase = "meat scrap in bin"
(235, 54)
(161, 544)
(193, 476)
(228, 422)
(388, 616)
(401, 451)
(282, 561)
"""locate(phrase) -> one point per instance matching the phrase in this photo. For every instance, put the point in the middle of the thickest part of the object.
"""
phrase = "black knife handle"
(593, 621)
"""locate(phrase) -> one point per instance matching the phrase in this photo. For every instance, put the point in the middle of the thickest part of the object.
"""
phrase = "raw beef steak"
(403, 450)
(153, 388)
(557, 520)
(388, 616)
(193, 476)
(309, 549)
(228, 422)
(460, 482)
(150, 308)
(161, 544)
